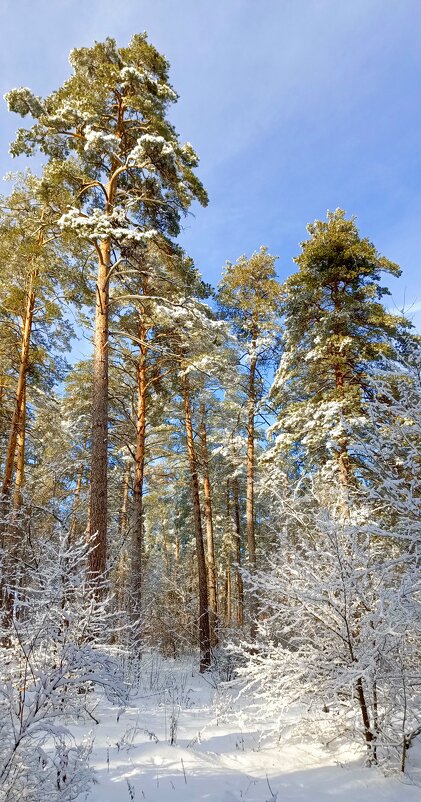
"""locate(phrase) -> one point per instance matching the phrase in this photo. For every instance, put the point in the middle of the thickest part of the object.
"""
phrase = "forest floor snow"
(215, 756)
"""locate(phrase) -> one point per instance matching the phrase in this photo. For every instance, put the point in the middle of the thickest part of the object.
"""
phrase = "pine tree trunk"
(210, 546)
(124, 509)
(2, 412)
(99, 443)
(344, 464)
(14, 528)
(228, 559)
(251, 540)
(10, 529)
(204, 627)
(121, 572)
(139, 471)
(76, 500)
(20, 459)
(238, 577)
(20, 389)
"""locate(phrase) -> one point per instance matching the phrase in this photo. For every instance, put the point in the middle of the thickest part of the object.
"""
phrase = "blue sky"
(294, 106)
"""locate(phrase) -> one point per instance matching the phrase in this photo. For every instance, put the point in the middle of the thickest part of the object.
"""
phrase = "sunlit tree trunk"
(210, 546)
(204, 627)
(121, 573)
(124, 509)
(99, 442)
(20, 389)
(20, 458)
(238, 577)
(344, 463)
(76, 502)
(228, 560)
(139, 472)
(8, 529)
(251, 539)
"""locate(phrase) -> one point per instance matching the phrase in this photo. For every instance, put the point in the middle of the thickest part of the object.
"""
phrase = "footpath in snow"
(181, 739)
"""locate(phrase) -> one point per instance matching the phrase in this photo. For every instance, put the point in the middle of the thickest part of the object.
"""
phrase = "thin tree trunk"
(204, 627)
(10, 530)
(14, 530)
(121, 572)
(210, 545)
(124, 514)
(76, 500)
(251, 540)
(344, 464)
(20, 389)
(2, 410)
(139, 472)
(238, 577)
(228, 558)
(99, 465)
(369, 738)
(20, 459)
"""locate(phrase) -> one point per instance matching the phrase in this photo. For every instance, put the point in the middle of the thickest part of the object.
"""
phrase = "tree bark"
(344, 464)
(124, 510)
(228, 558)
(139, 472)
(368, 734)
(121, 572)
(238, 577)
(10, 528)
(204, 627)
(99, 443)
(78, 488)
(251, 540)
(210, 545)
(20, 389)
(20, 459)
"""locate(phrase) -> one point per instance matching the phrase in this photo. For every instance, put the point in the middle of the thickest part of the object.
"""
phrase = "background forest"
(233, 472)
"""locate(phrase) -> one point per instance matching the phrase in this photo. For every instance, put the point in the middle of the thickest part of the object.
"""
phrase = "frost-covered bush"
(55, 635)
(339, 636)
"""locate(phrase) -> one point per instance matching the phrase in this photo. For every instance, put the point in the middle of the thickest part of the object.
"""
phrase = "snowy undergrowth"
(55, 656)
(185, 737)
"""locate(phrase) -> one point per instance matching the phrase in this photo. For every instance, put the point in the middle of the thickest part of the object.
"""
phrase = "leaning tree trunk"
(204, 626)
(368, 733)
(210, 545)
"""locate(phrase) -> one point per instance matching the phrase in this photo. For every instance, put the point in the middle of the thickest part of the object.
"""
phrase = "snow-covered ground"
(215, 756)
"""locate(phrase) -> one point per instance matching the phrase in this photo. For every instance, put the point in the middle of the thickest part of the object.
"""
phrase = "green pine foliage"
(337, 332)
